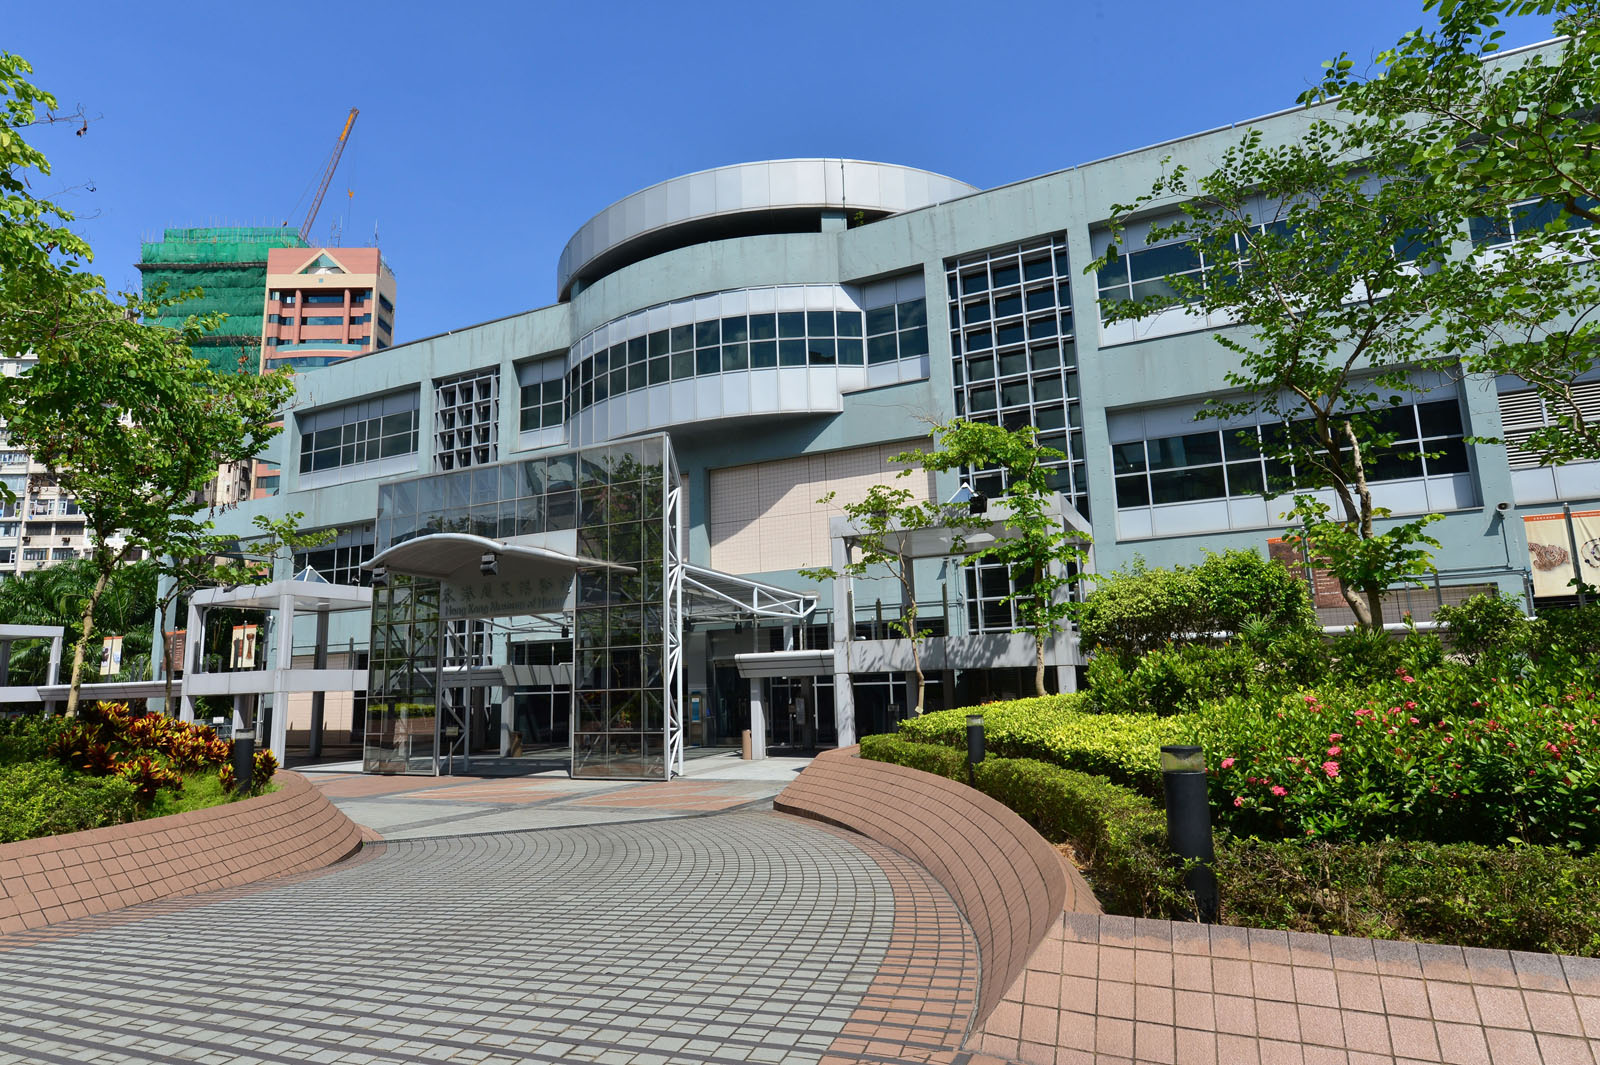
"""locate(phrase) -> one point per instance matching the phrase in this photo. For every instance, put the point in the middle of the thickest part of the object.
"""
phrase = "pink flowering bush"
(1442, 757)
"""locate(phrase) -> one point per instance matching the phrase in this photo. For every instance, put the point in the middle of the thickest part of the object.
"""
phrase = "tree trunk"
(1038, 634)
(916, 659)
(166, 664)
(83, 641)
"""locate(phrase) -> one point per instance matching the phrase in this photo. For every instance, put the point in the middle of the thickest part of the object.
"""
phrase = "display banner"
(111, 656)
(1324, 585)
(244, 647)
(1550, 550)
(177, 644)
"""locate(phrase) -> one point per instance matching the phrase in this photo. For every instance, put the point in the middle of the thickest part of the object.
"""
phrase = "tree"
(1042, 555)
(883, 522)
(1320, 251)
(54, 596)
(207, 560)
(128, 420)
(1514, 144)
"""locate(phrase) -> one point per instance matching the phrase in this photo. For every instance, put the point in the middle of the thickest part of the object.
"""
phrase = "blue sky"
(490, 132)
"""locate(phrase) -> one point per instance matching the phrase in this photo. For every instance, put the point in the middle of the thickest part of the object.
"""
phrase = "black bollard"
(244, 760)
(1183, 773)
(974, 742)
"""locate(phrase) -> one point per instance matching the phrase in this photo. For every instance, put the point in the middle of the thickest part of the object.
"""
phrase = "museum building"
(577, 531)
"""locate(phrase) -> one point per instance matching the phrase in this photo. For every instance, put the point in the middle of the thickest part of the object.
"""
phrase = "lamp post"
(1183, 774)
(974, 742)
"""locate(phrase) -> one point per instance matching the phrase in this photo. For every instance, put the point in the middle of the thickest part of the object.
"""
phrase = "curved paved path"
(730, 938)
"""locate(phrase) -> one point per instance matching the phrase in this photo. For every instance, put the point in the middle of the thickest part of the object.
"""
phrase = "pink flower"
(1227, 763)
(1414, 721)
(1409, 680)
(1237, 801)
(1335, 736)
(1449, 739)
(1279, 790)
(1335, 751)
(1311, 700)
(1364, 713)
(1331, 768)
(1411, 706)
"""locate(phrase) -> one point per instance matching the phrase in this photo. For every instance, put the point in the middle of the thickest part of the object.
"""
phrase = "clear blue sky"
(490, 131)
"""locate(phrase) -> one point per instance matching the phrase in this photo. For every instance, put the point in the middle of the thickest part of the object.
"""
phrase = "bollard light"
(974, 739)
(1183, 774)
(244, 760)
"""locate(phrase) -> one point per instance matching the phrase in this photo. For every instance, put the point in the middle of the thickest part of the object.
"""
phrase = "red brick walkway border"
(1007, 881)
(60, 878)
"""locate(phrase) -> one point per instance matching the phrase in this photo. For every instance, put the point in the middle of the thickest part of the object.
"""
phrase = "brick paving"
(1114, 991)
(738, 937)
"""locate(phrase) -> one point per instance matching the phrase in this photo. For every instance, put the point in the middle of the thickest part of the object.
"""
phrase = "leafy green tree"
(1512, 145)
(55, 596)
(883, 522)
(1318, 250)
(129, 421)
(1042, 554)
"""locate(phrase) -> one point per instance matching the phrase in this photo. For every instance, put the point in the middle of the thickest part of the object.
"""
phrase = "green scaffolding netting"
(229, 265)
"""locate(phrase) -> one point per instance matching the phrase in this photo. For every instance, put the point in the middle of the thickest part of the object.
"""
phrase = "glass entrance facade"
(470, 665)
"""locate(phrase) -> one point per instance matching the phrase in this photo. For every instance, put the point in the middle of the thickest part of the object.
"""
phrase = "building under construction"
(229, 265)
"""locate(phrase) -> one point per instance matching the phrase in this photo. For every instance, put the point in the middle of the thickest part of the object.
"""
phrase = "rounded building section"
(746, 199)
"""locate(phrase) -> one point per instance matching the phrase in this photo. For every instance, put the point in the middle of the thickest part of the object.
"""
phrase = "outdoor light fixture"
(975, 745)
(489, 565)
(380, 577)
(978, 504)
(1183, 773)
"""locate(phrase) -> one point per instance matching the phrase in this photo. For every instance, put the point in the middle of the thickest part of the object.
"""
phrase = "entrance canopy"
(711, 595)
(461, 557)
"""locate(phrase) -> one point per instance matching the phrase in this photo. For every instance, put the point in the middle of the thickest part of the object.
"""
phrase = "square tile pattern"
(1117, 991)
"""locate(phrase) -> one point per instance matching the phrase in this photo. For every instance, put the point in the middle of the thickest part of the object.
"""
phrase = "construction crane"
(327, 176)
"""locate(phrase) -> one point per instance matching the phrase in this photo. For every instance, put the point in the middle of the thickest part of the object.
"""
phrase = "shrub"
(26, 739)
(1512, 898)
(1138, 610)
(1438, 758)
(1054, 729)
(41, 798)
(1119, 837)
(1176, 679)
(263, 764)
(1485, 625)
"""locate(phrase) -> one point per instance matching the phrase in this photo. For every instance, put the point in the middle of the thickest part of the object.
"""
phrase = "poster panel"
(1550, 550)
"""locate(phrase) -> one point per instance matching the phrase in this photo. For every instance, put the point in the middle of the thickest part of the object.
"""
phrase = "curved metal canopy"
(444, 556)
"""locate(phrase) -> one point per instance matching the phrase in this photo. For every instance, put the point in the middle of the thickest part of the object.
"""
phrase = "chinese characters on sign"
(504, 597)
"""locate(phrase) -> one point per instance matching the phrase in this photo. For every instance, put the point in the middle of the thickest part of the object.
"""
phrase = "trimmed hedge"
(45, 798)
(1514, 898)
(1119, 836)
(1123, 747)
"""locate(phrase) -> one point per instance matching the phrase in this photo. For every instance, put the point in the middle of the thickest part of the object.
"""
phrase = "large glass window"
(1011, 342)
(358, 432)
(339, 561)
(1232, 463)
(1525, 219)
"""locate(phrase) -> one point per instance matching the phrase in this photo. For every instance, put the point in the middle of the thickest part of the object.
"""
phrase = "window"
(1014, 362)
(897, 331)
(62, 554)
(8, 556)
(35, 554)
(368, 431)
(730, 344)
(360, 319)
(466, 420)
(1232, 463)
(325, 299)
(281, 319)
(288, 299)
(383, 301)
(1522, 220)
(383, 325)
(360, 296)
(541, 392)
(325, 319)
(339, 561)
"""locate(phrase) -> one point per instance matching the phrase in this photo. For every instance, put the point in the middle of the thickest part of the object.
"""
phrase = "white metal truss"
(717, 596)
(672, 621)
